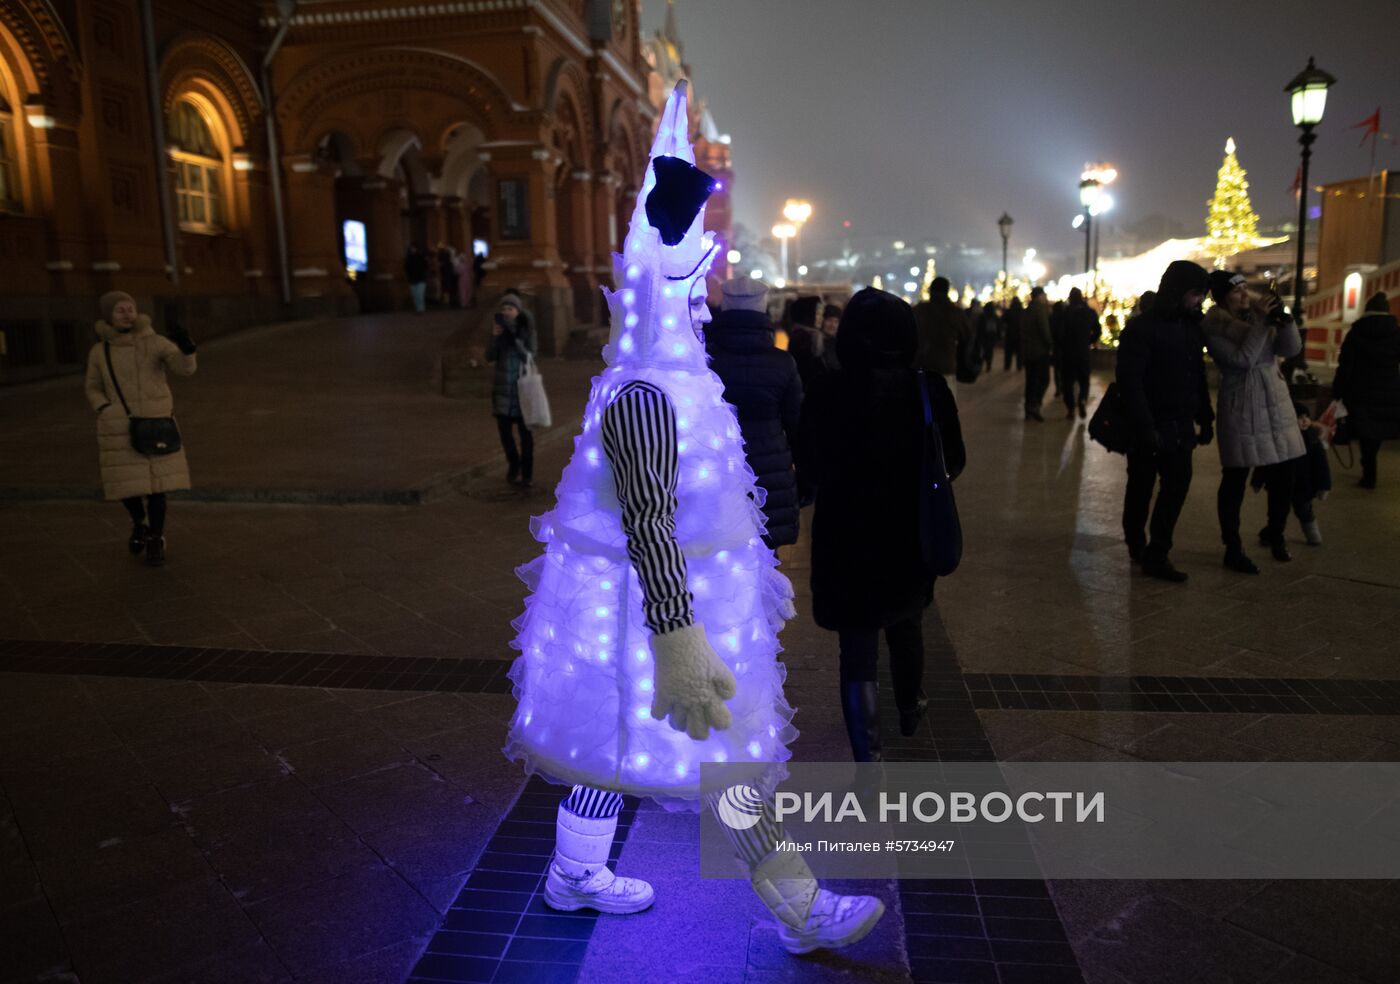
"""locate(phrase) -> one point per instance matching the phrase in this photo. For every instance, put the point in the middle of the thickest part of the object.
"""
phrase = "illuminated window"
(9, 177)
(199, 169)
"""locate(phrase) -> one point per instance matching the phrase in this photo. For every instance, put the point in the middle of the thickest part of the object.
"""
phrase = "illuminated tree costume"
(655, 608)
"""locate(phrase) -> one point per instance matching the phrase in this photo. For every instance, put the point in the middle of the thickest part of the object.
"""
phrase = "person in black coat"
(1162, 375)
(1368, 382)
(809, 345)
(1079, 332)
(1011, 331)
(860, 447)
(762, 384)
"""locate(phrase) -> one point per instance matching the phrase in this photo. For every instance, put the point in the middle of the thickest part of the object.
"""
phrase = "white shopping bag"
(534, 402)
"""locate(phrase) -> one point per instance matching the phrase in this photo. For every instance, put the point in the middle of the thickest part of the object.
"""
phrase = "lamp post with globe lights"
(1004, 225)
(1307, 95)
(784, 231)
(797, 212)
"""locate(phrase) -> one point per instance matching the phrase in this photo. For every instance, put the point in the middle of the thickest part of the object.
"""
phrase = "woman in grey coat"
(512, 344)
(1255, 420)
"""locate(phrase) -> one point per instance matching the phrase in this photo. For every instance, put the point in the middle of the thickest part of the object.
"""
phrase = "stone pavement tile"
(1177, 742)
(185, 925)
(179, 631)
(61, 783)
(435, 854)
(229, 814)
(243, 701)
(389, 965)
(393, 796)
(1328, 921)
(342, 918)
(332, 760)
(133, 709)
(254, 963)
(66, 820)
(276, 855)
(33, 947)
(1067, 748)
(1305, 970)
(325, 714)
(19, 880)
(97, 879)
(209, 769)
(177, 734)
(1153, 940)
(283, 625)
(332, 640)
(418, 717)
(1308, 738)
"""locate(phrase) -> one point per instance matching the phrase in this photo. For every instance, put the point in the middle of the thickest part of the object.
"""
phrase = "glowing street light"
(797, 212)
(733, 256)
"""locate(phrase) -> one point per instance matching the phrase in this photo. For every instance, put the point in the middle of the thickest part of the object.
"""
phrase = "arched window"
(9, 169)
(199, 169)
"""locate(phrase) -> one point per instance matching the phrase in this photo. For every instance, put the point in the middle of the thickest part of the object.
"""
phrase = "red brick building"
(137, 151)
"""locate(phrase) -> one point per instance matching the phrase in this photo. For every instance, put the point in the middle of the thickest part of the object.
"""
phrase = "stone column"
(383, 287)
(525, 238)
(582, 271)
(313, 241)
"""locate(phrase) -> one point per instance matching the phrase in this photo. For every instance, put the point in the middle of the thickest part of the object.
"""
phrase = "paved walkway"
(277, 758)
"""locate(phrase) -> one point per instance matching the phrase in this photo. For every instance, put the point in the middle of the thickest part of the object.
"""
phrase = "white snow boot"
(1313, 532)
(578, 874)
(809, 916)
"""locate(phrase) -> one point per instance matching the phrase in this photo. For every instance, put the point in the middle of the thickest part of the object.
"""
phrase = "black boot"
(909, 719)
(137, 543)
(1276, 544)
(861, 710)
(155, 550)
(1236, 560)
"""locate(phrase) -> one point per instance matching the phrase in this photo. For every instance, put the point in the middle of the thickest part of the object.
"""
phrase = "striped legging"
(751, 846)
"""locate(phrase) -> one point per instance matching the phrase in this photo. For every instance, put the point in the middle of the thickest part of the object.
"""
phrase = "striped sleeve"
(639, 437)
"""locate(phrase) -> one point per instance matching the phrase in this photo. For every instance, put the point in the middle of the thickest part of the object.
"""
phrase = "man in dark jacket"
(1037, 351)
(942, 328)
(1368, 381)
(763, 385)
(1162, 375)
(1079, 333)
(813, 351)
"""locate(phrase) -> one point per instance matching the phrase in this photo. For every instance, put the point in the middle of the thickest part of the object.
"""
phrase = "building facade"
(207, 155)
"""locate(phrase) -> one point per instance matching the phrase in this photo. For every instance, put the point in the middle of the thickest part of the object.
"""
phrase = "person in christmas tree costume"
(649, 640)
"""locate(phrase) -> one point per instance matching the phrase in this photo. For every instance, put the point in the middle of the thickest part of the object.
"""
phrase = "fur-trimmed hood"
(107, 333)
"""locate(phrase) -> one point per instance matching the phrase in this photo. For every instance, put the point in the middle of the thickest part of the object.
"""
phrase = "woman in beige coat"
(139, 359)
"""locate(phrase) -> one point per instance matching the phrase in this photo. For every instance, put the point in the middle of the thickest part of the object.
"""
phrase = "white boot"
(1313, 532)
(578, 874)
(809, 916)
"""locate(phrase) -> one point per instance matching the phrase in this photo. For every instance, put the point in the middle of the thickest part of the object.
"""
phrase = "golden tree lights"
(1231, 224)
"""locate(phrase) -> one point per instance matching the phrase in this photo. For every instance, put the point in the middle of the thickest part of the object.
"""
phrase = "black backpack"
(1109, 425)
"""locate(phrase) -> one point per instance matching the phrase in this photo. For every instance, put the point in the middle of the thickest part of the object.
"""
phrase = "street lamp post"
(1088, 195)
(784, 231)
(797, 212)
(1004, 224)
(1307, 98)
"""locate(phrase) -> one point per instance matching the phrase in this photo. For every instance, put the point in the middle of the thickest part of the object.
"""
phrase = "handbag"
(1109, 425)
(149, 435)
(1336, 421)
(940, 530)
(534, 402)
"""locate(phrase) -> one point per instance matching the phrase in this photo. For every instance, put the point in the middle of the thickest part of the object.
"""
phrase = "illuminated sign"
(356, 246)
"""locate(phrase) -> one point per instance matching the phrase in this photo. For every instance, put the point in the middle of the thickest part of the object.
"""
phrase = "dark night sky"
(927, 119)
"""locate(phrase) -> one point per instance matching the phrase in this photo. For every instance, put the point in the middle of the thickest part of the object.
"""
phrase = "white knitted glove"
(692, 683)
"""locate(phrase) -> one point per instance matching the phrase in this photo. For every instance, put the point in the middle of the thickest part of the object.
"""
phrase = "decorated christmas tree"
(1231, 224)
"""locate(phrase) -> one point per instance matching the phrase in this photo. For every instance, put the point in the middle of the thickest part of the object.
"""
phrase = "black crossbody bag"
(149, 435)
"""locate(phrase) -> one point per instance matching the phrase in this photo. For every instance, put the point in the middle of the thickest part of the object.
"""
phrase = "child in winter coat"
(1312, 475)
